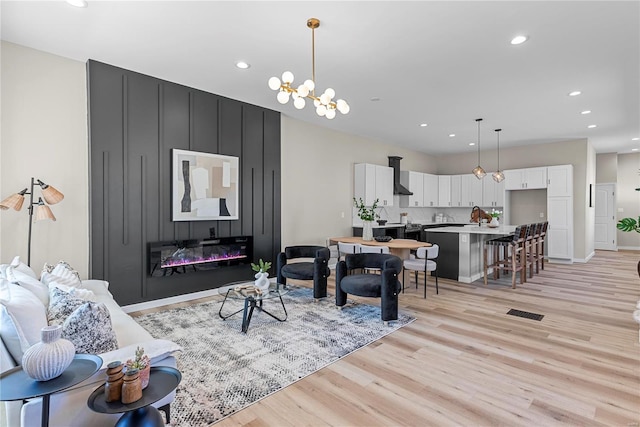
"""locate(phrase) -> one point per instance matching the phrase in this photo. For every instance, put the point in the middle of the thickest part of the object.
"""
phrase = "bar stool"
(542, 237)
(514, 251)
(529, 247)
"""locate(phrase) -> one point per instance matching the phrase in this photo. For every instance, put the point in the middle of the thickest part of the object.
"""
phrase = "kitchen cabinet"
(456, 194)
(492, 192)
(373, 182)
(526, 179)
(444, 191)
(471, 191)
(559, 181)
(414, 181)
(430, 190)
(560, 212)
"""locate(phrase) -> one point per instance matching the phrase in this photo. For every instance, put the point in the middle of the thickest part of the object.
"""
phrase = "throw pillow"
(61, 275)
(61, 305)
(82, 293)
(22, 316)
(24, 268)
(26, 281)
(89, 329)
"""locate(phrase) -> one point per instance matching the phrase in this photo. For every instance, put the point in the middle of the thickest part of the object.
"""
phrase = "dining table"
(400, 247)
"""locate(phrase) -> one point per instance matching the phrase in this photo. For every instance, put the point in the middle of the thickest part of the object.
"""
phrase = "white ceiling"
(440, 63)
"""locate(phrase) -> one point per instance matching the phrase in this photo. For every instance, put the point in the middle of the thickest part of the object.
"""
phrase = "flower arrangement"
(495, 214)
(365, 213)
(140, 362)
(261, 267)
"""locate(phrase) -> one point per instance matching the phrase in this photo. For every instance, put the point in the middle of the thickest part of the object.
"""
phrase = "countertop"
(474, 229)
(399, 225)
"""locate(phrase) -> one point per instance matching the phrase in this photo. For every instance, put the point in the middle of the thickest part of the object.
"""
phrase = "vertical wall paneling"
(135, 121)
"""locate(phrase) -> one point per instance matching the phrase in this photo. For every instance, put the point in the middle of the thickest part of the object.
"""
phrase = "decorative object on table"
(477, 215)
(478, 171)
(142, 364)
(271, 356)
(42, 211)
(49, 358)
(248, 290)
(404, 218)
(367, 215)
(131, 387)
(262, 274)
(115, 378)
(498, 175)
(495, 216)
(325, 105)
(381, 221)
(205, 186)
(383, 238)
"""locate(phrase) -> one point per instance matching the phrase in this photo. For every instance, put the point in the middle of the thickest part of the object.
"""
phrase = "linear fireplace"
(182, 256)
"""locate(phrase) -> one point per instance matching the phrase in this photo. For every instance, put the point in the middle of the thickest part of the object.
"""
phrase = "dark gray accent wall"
(134, 122)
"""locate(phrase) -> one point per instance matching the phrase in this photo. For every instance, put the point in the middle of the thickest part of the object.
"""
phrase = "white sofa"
(69, 408)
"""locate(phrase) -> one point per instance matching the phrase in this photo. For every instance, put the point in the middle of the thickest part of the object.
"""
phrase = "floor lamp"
(41, 211)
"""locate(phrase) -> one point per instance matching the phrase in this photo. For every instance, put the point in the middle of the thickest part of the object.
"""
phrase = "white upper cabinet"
(430, 190)
(525, 179)
(456, 190)
(373, 182)
(471, 190)
(444, 190)
(414, 181)
(560, 181)
(492, 192)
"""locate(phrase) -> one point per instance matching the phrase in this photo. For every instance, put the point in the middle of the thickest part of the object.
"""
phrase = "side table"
(162, 381)
(15, 384)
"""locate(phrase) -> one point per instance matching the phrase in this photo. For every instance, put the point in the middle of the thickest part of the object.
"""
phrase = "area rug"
(224, 370)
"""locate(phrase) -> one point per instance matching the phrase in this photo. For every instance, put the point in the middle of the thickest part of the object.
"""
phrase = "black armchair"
(318, 270)
(384, 286)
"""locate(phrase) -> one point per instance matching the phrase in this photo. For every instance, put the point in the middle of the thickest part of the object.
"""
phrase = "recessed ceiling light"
(242, 65)
(575, 93)
(635, 149)
(423, 125)
(592, 126)
(375, 99)
(519, 39)
(585, 112)
(472, 143)
(451, 135)
(78, 3)
(635, 139)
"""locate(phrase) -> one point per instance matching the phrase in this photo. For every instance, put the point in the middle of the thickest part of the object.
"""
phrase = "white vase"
(49, 358)
(262, 282)
(494, 221)
(367, 230)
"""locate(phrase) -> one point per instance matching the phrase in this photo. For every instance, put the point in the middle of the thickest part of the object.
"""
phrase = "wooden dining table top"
(392, 244)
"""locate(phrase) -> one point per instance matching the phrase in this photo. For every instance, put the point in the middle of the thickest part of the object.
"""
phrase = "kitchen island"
(461, 249)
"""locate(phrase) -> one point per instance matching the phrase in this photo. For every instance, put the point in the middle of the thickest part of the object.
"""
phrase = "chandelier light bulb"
(330, 92)
(310, 85)
(345, 108)
(331, 113)
(287, 77)
(321, 110)
(303, 90)
(325, 99)
(299, 103)
(283, 97)
(316, 103)
(295, 95)
(274, 83)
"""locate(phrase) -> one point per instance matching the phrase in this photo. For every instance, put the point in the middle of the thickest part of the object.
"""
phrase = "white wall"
(44, 135)
(317, 178)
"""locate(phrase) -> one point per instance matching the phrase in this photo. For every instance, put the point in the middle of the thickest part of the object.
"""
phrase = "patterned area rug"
(224, 370)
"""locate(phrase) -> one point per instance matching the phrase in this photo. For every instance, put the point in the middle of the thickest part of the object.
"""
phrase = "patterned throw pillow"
(89, 329)
(61, 305)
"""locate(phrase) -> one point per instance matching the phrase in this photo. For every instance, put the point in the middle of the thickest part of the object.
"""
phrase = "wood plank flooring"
(464, 361)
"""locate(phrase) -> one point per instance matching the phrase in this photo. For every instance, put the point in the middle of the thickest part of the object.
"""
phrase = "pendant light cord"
(478, 121)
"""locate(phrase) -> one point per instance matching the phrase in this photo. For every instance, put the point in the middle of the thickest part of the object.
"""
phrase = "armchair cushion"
(298, 270)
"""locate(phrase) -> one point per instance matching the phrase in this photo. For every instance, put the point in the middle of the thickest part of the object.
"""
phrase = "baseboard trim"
(629, 248)
(585, 260)
(170, 300)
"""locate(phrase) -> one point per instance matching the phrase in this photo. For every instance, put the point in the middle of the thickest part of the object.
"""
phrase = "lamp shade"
(479, 172)
(50, 194)
(43, 212)
(14, 201)
(498, 176)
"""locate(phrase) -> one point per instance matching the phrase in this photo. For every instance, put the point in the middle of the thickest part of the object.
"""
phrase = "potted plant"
(262, 272)
(495, 216)
(367, 215)
(142, 363)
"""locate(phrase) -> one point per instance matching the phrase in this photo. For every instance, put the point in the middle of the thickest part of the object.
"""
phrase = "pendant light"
(478, 171)
(498, 176)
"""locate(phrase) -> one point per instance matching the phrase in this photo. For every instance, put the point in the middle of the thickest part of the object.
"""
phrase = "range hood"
(394, 162)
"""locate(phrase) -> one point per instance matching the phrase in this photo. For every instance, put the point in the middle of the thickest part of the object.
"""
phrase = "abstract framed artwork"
(205, 186)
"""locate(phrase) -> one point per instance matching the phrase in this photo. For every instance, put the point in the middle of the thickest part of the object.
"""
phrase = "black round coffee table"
(162, 380)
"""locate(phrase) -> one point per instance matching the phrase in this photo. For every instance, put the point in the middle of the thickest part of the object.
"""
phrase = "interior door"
(605, 223)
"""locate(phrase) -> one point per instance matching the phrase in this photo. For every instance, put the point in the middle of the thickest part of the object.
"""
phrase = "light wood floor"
(465, 362)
